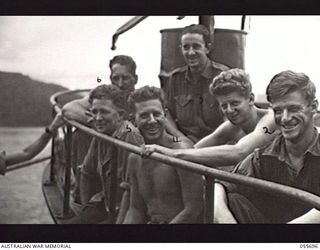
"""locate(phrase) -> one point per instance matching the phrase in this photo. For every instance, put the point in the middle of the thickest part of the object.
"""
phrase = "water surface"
(21, 199)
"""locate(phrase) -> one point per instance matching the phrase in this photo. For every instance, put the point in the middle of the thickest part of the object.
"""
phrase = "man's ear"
(209, 47)
(251, 98)
(136, 79)
(314, 106)
(122, 114)
(131, 118)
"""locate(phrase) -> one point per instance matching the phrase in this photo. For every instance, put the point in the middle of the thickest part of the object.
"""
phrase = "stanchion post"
(67, 182)
(209, 200)
(52, 161)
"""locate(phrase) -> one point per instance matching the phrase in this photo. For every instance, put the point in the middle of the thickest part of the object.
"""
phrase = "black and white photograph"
(193, 120)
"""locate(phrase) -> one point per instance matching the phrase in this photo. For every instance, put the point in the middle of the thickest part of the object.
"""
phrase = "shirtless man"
(291, 159)
(159, 193)
(246, 125)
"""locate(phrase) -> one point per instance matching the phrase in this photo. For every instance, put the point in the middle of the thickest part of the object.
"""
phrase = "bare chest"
(157, 179)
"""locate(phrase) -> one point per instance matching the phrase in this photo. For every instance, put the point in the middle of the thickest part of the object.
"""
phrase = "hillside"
(24, 101)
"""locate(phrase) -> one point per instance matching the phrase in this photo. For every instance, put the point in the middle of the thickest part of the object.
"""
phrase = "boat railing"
(210, 174)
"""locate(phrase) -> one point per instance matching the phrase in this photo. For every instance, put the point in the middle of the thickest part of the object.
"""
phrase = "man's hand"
(147, 150)
(56, 123)
(90, 116)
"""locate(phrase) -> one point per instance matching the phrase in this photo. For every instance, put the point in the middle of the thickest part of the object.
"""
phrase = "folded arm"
(78, 110)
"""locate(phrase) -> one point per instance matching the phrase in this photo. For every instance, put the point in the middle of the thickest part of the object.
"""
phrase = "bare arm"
(137, 208)
(78, 110)
(226, 154)
(36, 147)
(29, 152)
(124, 206)
(192, 195)
(222, 214)
(313, 216)
(224, 133)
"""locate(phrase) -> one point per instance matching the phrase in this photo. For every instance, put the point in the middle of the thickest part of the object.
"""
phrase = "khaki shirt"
(102, 156)
(272, 163)
(194, 110)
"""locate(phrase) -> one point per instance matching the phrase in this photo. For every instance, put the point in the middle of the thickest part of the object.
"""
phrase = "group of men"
(207, 115)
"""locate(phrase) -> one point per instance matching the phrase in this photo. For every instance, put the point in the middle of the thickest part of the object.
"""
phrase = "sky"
(74, 50)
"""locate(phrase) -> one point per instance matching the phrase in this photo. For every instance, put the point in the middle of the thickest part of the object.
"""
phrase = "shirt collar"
(278, 149)
(207, 73)
(118, 132)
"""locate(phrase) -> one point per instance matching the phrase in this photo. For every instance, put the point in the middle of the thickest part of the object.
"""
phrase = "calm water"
(21, 199)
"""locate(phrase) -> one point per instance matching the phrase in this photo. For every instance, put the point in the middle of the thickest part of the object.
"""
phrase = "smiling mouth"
(152, 130)
(289, 126)
(193, 59)
(99, 126)
(233, 117)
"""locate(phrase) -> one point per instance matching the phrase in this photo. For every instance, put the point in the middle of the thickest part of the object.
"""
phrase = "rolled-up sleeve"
(248, 167)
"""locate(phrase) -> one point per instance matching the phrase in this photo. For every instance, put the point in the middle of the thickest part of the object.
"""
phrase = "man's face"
(106, 116)
(122, 77)
(235, 107)
(150, 119)
(194, 50)
(293, 115)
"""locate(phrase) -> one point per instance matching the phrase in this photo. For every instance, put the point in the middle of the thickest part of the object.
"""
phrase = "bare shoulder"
(228, 127)
(262, 112)
(134, 161)
(181, 144)
(267, 120)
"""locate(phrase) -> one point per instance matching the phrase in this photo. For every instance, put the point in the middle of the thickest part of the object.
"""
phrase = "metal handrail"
(27, 163)
(263, 185)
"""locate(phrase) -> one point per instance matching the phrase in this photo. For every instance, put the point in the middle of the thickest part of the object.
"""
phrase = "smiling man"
(292, 159)
(237, 137)
(159, 193)
(123, 75)
(97, 192)
(191, 106)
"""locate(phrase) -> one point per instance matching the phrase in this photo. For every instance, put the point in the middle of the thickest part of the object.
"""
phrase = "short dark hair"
(145, 93)
(109, 92)
(198, 29)
(289, 81)
(124, 60)
(233, 80)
